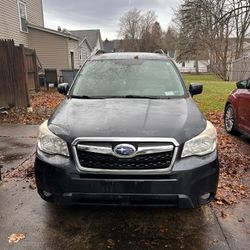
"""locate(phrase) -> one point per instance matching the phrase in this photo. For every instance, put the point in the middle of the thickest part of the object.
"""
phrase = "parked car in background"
(237, 109)
(128, 133)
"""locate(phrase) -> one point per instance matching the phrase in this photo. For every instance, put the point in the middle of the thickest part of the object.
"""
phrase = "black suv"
(128, 133)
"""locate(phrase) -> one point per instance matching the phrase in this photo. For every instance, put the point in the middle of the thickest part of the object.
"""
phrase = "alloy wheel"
(229, 119)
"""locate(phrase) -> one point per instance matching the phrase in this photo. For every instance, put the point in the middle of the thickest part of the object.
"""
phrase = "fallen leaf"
(223, 214)
(219, 202)
(32, 186)
(233, 163)
(241, 220)
(163, 229)
(15, 238)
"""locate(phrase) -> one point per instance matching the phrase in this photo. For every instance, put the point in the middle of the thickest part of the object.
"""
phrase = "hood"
(172, 118)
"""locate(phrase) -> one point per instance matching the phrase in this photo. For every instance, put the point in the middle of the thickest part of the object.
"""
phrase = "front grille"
(143, 162)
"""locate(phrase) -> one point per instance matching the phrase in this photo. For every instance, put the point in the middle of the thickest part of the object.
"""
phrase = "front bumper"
(189, 179)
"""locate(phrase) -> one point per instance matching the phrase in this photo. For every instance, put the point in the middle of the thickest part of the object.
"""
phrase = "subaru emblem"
(124, 150)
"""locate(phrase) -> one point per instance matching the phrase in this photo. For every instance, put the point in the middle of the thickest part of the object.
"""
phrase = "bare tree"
(139, 31)
(130, 28)
(147, 21)
(241, 16)
(146, 38)
(208, 25)
(237, 7)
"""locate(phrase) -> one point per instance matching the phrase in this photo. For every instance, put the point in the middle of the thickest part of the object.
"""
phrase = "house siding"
(85, 52)
(190, 68)
(9, 23)
(51, 49)
(35, 12)
(9, 19)
(73, 46)
(98, 46)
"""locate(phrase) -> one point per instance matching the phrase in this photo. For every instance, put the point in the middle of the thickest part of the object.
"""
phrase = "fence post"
(36, 78)
(26, 75)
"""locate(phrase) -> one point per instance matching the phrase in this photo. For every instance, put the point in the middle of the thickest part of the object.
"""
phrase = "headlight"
(202, 144)
(50, 143)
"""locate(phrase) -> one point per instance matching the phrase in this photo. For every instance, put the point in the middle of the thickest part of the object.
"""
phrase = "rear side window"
(128, 77)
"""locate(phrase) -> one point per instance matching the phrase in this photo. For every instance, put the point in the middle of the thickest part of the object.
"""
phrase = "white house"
(189, 66)
(90, 42)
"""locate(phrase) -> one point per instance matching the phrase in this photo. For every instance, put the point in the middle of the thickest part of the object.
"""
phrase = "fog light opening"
(205, 196)
(47, 194)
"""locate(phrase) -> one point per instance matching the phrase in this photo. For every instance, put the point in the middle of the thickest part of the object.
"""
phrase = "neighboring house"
(23, 21)
(90, 42)
(55, 49)
(112, 46)
(14, 16)
(189, 65)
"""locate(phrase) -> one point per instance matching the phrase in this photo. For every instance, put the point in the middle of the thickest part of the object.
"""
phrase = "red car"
(237, 109)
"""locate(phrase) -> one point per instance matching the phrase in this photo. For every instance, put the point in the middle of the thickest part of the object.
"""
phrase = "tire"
(229, 120)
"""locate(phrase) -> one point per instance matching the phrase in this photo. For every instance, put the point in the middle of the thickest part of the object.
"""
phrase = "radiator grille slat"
(143, 162)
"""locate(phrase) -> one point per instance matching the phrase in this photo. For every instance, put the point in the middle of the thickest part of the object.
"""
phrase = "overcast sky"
(102, 14)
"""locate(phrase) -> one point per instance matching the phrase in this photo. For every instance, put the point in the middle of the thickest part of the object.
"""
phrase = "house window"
(183, 65)
(72, 59)
(22, 15)
(81, 54)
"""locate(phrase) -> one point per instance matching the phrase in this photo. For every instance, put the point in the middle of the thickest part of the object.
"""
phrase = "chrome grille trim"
(125, 139)
(140, 150)
(95, 149)
(109, 150)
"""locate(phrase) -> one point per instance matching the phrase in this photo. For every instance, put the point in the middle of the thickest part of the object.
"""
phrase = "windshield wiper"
(86, 97)
(123, 96)
(146, 97)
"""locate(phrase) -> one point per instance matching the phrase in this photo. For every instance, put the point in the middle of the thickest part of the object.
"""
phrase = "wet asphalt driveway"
(46, 226)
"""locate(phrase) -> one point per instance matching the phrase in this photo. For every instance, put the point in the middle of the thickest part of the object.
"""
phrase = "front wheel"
(229, 120)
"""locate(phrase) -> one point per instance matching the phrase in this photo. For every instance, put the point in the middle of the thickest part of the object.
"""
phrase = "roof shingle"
(91, 35)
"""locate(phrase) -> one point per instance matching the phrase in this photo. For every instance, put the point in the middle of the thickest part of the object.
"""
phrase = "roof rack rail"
(160, 51)
(100, 51)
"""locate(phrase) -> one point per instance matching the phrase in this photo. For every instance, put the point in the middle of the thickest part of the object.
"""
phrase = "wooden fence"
(18, 74)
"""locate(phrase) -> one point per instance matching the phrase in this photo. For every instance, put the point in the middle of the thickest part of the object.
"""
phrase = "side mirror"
(63, 88)
(242, 84)
(195, 89)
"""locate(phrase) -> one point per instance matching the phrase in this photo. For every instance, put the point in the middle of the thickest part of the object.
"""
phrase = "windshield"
(128, 78)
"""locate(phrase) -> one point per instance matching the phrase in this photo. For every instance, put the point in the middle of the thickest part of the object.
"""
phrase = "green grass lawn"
(215, 91)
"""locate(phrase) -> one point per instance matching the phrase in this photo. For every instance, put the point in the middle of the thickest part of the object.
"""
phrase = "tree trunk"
(196, 65)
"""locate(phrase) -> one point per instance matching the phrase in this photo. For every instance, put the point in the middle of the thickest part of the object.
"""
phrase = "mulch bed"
(43, 105)
(234, 165)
